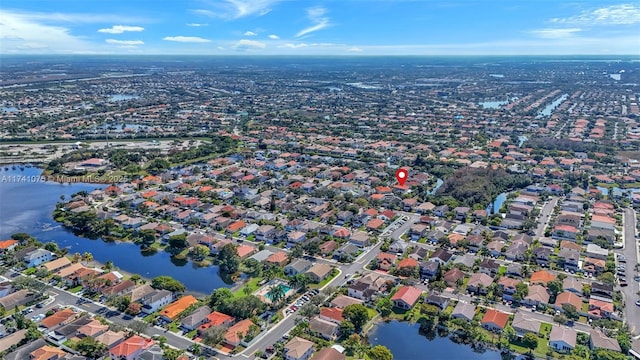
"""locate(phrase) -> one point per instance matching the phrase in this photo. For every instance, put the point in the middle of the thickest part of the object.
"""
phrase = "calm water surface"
(26, 205)
(406, 343)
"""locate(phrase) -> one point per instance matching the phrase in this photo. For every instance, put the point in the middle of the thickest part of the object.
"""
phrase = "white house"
(156, 300)
(37, 257)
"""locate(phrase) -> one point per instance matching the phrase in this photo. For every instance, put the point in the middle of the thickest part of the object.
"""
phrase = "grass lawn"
(173, 327)
(191, 333)
(150, 318)
(502, 270)
(76, 289)
(252, 284)
(545, 330)
(371, 312)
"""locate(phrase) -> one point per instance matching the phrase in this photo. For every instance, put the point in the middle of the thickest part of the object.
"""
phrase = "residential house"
(489, 267)
(572, 284)
(237, 332)
(386, 260)
(441, 256)
(359, 238)
(319, 272)
(598, 340)
(131, 348)
(602, 289)
(47, 352)
(156, 300)
(541, 277)
(452, 277)
(437, 300)
(479, 283)
(278, 259)
(342, 301)
(568, 298)
(508, 286)
(298, 266)
(329, 354)
(215, 319)
(418, 231)
(523, 323)
(429, 269)
(537, 295)
(542, 255)
(406, 297)
(562, 339)
(326, 329)
(17, 298)
(494, 320)
(298, 349)
(464, 311)
(173, 310)
(37, 257)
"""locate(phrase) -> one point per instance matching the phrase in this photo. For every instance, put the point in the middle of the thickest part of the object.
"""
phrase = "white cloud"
(555, 33)
(22, 34)
(186, 39)
(293, 46)
(250, 33)
(119, 29)
(124, 42)
(317, 16)
(197, 25)
(246, 44)
(355, 49)
(77, 18)
(623, 14)
(235, 9)
(274, 37)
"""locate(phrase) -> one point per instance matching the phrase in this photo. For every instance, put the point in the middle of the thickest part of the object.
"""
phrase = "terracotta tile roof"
(495, 317)
(175, 308)
(408, 294)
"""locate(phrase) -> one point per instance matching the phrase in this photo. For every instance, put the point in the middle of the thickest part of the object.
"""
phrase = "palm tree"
(276, 294)
(87, 257)
(76, 258)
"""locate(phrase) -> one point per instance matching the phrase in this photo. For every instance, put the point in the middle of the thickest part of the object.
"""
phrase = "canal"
(26, 205)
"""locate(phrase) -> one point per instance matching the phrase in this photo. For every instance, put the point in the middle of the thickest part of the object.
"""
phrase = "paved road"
(630, 251)
(67, 299)
(545, 216)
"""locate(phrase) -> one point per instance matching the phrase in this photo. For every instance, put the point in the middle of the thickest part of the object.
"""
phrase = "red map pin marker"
(401, 176)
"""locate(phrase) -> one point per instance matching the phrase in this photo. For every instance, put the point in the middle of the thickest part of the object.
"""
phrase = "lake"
(407, 343)
(27, 206)
(495, 206)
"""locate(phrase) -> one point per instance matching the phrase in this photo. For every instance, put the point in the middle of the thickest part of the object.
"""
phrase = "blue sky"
(320, 27)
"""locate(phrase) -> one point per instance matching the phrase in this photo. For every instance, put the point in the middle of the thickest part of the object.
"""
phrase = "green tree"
(309, 310)
(178, 241)
(277, 293)
(299, 281)
(555, 287)
(167, 283)
(213, 335)
(199, 252)
(357, 314)
(228, 259)
(90, 347)
(570, 311)
(138, 327)
(297, 251)
(87, 257)
(380, 352)
(530, 340)
(220, 298)
(171, 353)
(384, 306)
(346, 328)
(607, 278)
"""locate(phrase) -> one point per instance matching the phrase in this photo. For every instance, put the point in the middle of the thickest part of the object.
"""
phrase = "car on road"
(622, 259)
(638, 302)
(286, 336)
(40, 305)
